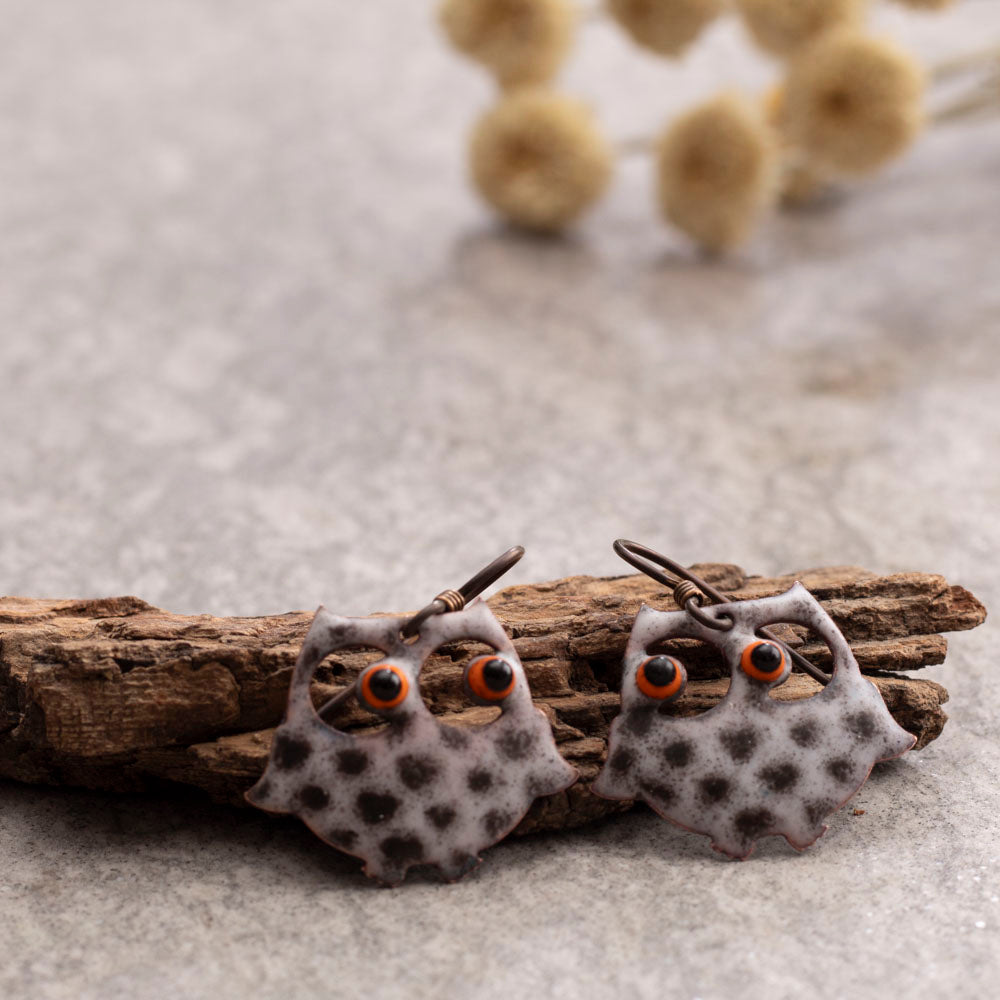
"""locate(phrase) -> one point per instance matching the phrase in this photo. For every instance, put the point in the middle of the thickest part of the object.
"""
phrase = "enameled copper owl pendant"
(418, 791)
(751, 766)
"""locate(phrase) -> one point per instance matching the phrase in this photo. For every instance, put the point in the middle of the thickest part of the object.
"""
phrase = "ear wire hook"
(690, 591)
(455, 600)
(447, 600)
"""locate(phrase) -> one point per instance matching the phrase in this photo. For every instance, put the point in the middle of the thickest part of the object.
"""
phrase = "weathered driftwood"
(116, 694)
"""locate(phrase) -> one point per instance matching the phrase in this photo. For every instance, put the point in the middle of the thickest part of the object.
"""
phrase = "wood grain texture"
(116, 694)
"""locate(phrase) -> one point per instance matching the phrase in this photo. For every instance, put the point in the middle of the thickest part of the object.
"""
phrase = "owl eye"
(660, 677)
(490, 678)
(384, 686)
(764, 661)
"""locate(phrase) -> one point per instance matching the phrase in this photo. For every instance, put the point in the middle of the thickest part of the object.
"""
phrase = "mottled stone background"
(261, 348)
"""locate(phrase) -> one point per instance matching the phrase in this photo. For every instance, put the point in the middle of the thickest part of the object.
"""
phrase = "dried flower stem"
(968, 62)
(637, 145)
(981, 92)
(983, 99)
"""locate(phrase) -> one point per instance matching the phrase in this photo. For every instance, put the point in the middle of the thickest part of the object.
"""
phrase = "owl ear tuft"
(798, 589)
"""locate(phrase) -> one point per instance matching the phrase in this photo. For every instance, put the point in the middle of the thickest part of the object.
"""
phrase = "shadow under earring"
(418, 791)
(751, 766)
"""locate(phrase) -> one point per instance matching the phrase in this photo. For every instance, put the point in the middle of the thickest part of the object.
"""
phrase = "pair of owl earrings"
(420, 791)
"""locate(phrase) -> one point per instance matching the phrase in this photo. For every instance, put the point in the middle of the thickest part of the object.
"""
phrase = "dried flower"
(782, 26)
(717, 167)
(521, 41)
(852, 103)
(665, 26)
(539, 159)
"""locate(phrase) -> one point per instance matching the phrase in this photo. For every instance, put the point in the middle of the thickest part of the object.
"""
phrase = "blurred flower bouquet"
(847, 105)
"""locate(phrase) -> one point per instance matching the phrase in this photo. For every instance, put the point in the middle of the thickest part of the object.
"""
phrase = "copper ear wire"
(455, 600)
(446, 601)
(691, 593)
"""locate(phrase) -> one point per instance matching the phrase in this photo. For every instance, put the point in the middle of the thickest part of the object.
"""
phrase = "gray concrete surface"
(261, 349)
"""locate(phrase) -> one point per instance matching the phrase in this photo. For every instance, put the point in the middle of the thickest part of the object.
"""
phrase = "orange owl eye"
(763, 660)
(384, 686)
(659, 677)
(490, 678)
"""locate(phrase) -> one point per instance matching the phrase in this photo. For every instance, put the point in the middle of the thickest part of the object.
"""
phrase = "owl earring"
(751, 766)
(418, 791)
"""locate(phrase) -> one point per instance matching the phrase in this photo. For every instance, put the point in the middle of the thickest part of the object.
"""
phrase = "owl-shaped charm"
(417, 791)
(751, 766)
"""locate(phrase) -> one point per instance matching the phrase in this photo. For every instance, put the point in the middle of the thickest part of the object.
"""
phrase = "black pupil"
(766, 657)
(497, 674)
(660, 671)
(385, 684)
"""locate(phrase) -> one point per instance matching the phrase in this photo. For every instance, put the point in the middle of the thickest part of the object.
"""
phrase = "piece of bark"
(115, 694)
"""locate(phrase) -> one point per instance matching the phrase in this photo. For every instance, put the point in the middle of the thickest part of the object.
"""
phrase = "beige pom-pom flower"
(852, 103)
(717, 171)
(521, 41)
(782, 26)
(539, 159)
(665, 26)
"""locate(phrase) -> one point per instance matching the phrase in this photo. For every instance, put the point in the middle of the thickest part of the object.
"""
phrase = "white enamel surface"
(751, 766)
(418, 792)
